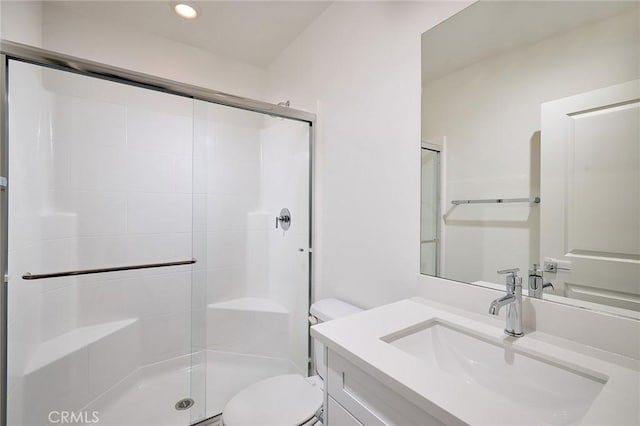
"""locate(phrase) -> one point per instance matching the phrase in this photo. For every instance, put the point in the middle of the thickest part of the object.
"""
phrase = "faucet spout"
(497, 304)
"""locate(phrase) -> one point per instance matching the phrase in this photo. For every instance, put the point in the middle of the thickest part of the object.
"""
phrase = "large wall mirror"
(531, 149)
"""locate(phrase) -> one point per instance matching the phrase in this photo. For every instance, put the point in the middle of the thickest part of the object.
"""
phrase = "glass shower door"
(100, 176)
(248, 167)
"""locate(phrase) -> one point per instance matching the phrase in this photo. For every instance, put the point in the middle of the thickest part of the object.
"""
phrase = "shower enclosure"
(147, 280)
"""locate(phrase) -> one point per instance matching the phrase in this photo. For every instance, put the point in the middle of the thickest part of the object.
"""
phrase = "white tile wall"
(88, 122)
(226, 283)
(94, 213)
(95, 168)
(151, 171)
(101, 301)
(58, 311)
(226, 249)
(149, 213)
(160, 294)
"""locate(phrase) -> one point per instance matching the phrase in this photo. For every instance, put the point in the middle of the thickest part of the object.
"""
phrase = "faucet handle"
(535, 271)
(513, 280)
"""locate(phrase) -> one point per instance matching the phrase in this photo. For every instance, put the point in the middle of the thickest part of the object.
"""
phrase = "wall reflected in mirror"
(531, 149)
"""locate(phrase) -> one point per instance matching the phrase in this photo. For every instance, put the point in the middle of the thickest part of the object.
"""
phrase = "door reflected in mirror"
(531, 149)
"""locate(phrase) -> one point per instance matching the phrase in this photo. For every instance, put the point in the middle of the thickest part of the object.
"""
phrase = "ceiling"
(489, 28)
(254, 32)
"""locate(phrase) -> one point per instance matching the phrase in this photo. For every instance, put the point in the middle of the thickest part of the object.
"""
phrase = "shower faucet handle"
(284, 220)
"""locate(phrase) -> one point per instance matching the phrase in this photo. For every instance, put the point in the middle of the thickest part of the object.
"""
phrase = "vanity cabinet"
(356, 398)
(340, 416)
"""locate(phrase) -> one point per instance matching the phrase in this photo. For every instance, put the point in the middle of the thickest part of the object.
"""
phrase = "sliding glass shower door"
(248, 167)
(100, 176)
(158, 251)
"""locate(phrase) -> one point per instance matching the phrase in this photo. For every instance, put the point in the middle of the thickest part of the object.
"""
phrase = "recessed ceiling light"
(185, 9)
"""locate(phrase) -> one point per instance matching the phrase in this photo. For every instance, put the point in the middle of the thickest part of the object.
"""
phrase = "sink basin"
(556, 394)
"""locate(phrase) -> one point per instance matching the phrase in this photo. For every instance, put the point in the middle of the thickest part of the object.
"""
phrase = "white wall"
(489, 113)
(127, 47)
(21, 21)
(52, 27)
(358, 66)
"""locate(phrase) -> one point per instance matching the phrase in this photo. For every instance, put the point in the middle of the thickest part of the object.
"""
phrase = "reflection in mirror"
(531, 149)
(429, 228)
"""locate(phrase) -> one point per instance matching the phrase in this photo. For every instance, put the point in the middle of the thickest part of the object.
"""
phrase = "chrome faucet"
(536, 282)
(513, 301)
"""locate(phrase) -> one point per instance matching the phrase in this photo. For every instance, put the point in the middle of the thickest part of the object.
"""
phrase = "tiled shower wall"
(233, 222)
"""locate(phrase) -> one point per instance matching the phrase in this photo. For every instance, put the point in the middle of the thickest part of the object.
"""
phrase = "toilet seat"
(287, 400)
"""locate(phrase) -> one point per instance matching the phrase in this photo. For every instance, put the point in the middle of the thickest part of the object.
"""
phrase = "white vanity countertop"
(357, 338)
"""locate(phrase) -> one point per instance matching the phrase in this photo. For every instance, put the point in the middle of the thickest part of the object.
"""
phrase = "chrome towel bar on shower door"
(535, 200)
(29, 276)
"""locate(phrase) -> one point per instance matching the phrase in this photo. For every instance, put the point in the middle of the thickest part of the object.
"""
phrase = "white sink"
(555, 394)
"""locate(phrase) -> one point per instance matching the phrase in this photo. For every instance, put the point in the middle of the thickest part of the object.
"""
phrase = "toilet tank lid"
(329, 309)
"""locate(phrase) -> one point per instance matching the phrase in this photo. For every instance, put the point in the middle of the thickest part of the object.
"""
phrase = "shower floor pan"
(148, 396)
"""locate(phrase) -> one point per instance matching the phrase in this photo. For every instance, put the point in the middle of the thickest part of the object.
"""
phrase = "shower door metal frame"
(4, 224)
(50, 59)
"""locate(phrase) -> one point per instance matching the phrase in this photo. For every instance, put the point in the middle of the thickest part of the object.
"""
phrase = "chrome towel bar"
(535, 200)
(29, 276)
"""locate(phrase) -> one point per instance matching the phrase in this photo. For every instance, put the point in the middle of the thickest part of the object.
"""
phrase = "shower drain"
(184, 404)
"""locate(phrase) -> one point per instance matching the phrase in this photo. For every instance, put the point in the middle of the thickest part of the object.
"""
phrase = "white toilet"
(290, 399)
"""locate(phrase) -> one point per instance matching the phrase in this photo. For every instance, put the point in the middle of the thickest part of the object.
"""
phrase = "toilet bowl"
(289, 399)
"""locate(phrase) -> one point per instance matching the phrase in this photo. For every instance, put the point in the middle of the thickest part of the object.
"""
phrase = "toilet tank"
(327, 310)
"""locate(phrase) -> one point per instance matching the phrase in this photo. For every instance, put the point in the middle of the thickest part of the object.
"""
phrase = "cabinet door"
(371, 402)
(338, 416)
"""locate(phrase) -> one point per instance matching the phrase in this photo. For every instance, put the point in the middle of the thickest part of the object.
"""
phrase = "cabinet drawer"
(338, 416)
(370, 401)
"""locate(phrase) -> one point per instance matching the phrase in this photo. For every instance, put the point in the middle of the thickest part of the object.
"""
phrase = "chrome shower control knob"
(284, 220)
